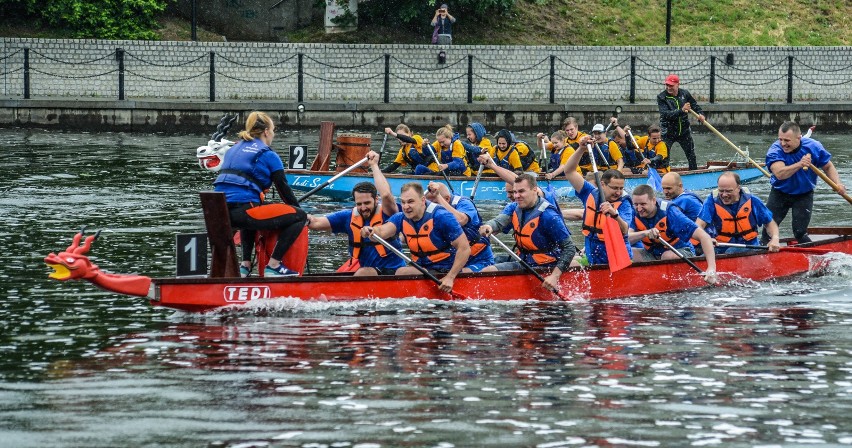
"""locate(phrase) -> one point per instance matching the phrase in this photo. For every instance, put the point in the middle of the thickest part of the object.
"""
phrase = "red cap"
(672, 79)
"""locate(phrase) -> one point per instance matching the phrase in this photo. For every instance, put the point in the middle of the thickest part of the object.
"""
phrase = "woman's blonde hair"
(559, 135)
(445, 131)
(404, 128)
(256, 124)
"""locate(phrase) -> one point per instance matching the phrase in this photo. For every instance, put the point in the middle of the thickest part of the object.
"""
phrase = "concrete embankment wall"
(179, 86)
(187, 117)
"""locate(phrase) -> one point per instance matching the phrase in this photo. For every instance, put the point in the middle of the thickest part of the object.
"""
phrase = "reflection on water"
(743, 365)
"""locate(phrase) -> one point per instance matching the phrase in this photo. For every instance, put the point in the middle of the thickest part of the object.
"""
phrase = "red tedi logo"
(245, 293)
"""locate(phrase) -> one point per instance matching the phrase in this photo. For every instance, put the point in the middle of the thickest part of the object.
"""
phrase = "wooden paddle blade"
(616, 250)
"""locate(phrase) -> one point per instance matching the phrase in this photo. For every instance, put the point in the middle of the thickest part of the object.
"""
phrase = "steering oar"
(742, 153)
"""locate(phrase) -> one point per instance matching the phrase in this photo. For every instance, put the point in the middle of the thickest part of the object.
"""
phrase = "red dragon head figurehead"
(72, 264)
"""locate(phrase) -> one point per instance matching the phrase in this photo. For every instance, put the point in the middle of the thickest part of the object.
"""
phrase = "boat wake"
(283, 306)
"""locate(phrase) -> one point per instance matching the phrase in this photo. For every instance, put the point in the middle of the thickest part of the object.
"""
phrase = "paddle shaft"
(438, 165)
(682, 256)
(382, 149)
(830, 183)
(635, 144)
(523, 263)
(810, 250)
(619, 251)
(476, 182)
(597, 175)
(725, 139)
(600, 151)
(614, 114)
(328, 182)
(409, 261)
(544, 156)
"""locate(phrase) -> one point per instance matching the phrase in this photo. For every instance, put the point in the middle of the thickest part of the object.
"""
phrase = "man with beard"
(372, 257)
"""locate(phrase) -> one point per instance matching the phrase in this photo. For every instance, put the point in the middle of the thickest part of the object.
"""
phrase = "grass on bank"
(577, 22)
(633, 22)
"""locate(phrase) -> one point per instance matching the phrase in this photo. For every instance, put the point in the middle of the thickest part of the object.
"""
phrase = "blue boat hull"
(494, 189)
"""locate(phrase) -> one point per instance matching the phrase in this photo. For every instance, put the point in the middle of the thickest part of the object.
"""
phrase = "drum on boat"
(351, 148)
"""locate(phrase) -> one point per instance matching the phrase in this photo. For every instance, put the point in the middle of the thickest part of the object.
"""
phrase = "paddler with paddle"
(411, 153)
(374, 204)
(735, 216)
(645, 151)
(793, 183)
(541, 238)
(607, 200)
(468, 216)
(657, 220)
(435, 239)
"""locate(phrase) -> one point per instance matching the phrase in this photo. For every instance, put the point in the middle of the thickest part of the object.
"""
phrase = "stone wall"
(357, 73)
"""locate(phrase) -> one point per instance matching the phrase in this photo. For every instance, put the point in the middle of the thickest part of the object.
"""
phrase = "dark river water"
(755, 364)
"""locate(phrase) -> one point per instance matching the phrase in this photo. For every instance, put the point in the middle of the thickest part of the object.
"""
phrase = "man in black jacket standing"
(675, 104)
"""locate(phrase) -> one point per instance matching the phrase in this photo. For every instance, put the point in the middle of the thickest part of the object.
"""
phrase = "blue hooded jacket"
(472, 150)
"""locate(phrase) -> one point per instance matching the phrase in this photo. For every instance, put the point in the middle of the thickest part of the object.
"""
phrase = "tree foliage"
(94, 19)
(415, 13)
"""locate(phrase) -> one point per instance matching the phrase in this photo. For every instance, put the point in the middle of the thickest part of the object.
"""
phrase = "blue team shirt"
(595, 248)
(689, 204)
(471, 229)
(759, 216)
(678, 225)
(550, 232)
(445, 230)
(369, 256)
(802, 181)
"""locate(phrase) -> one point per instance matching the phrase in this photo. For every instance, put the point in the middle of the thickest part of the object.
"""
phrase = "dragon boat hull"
(494, 189)
(648, 278)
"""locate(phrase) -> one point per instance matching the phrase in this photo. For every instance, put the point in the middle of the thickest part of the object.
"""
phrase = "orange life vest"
(419, 242)
(593, 219)
(735, 226)
(524, 234)
(356, 222)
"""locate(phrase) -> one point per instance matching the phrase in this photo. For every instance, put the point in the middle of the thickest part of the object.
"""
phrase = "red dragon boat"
(225, 288)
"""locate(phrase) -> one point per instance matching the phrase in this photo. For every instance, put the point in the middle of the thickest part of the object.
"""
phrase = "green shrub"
(95, 19)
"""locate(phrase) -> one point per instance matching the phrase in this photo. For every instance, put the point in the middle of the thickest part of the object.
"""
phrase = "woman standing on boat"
(250, 167)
